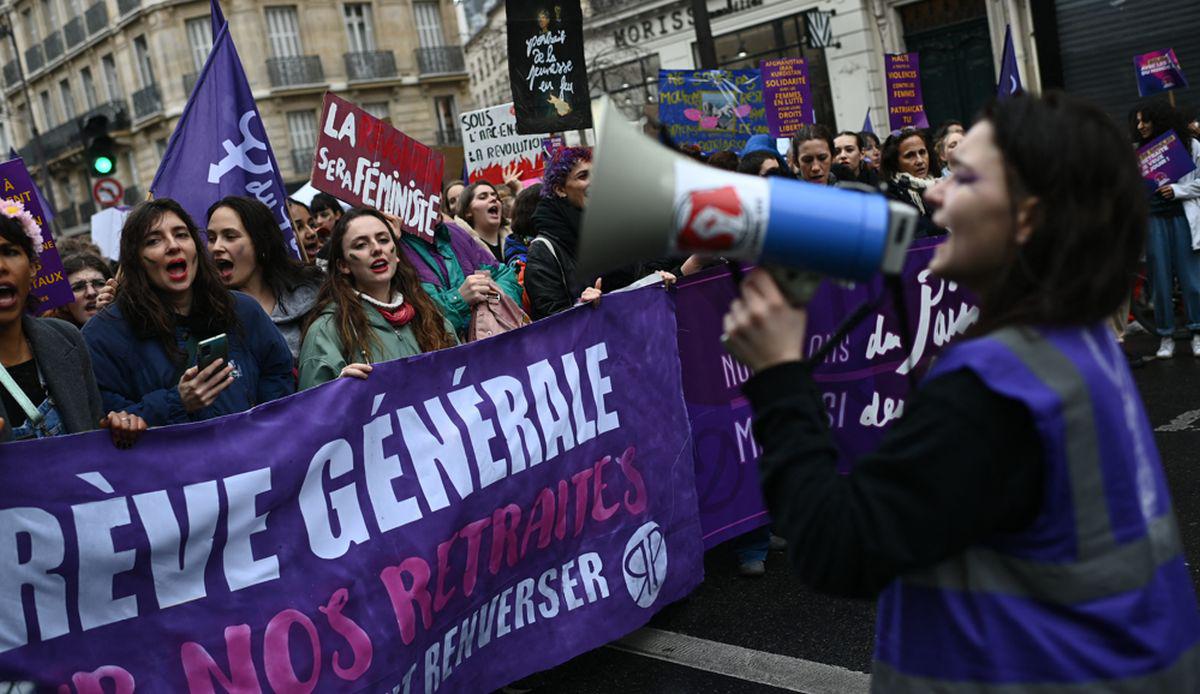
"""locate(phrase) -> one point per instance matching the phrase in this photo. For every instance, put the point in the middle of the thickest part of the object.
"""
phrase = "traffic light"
(99, 149)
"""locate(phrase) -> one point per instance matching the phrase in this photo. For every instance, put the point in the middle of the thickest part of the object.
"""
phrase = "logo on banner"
(645, 564)
(711, 220)
(238, 156)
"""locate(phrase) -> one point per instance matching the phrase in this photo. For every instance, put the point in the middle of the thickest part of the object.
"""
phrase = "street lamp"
(6, 29)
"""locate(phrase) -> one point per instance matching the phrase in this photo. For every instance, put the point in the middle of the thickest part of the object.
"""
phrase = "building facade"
(487, 59)
(136, 62)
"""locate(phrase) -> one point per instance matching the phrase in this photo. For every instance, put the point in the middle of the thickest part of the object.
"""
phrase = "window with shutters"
(283, 31)
(89, 88)
(68, 99)
(429, 24)
(112, 81)
(141, 51)
(447, 114)
(48, 115)
(30, 27)
(360, 29)
(302, 130)
(50, 22)
(200, 38)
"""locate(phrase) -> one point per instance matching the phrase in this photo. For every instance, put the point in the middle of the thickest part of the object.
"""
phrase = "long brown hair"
(354, 332)
(143, 306)
(1089, 224)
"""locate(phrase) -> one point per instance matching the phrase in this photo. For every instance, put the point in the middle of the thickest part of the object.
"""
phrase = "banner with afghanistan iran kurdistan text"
(453, 523)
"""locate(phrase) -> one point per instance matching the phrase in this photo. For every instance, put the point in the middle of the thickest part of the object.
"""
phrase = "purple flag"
(466, 518)
(906, 106)
(1158, 71)
(49, 282)
(220, 144)
(864, 382)
(867, 127)
(1010, 75)
(217, 17)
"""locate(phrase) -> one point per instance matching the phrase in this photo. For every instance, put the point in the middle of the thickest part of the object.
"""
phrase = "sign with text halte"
(468, 517)
(50, 285)
(906, 106)
(546, 66)
(787, 95)
(492, 148)
(364, 161)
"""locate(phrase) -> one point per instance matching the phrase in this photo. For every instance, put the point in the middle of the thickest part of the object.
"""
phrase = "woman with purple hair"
(550, 278)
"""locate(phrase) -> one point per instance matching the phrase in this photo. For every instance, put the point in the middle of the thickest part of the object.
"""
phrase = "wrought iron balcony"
(448, 138)
(295, 71)
(12, 74)
(74, 32)
(189, 81)
(441, 60)
(64, 138)
(124, 7)
(52, 47)
(34, 58)
(370, 65)
(302, 161)
(147, 101)
(96, 17)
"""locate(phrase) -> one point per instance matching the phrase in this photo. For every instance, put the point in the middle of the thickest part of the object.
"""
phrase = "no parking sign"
(108, 192)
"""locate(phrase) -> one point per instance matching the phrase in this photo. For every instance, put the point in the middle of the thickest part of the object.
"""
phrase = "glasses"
(82, 285)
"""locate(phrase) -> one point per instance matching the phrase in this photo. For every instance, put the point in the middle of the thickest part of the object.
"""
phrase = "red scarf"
(401, 316)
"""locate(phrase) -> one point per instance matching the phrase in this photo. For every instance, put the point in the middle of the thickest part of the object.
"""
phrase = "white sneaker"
(1166, 349)
(1196, 345)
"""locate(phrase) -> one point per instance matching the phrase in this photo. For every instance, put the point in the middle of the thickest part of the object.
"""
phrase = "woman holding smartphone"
(146, 344)
(371, 306)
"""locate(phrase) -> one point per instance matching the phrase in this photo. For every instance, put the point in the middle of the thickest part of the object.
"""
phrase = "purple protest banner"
(49, 283)
(864, 382)
(1158, 71)
(906, 106)
(455, 522)
(787, 95)
(1164, 160)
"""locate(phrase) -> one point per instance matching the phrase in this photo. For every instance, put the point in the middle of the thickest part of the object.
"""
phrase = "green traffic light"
(102, 165)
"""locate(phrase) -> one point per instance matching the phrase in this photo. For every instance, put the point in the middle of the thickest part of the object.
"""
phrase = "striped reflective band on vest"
(976, 604)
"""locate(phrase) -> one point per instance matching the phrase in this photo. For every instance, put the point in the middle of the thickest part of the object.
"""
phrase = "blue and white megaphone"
(646, 201)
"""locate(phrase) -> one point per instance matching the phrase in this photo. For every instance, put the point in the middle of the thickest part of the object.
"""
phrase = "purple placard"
(864, 381)
(787, 95)
(1164, 160)
(906, 106)
(469, 516)
(49, 283)
(1158, 71)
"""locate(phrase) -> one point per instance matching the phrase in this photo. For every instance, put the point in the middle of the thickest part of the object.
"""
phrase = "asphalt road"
(737, 633)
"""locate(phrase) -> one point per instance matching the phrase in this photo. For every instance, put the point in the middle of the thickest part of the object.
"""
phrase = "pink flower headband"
(13, 209)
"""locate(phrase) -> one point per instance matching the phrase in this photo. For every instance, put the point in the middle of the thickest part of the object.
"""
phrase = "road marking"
(1183, 422)
(784, 672)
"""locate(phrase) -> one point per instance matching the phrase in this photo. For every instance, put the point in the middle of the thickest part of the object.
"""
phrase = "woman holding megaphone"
(1015, 523)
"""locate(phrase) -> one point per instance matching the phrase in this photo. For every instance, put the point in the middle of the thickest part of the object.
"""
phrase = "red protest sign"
(364, 161)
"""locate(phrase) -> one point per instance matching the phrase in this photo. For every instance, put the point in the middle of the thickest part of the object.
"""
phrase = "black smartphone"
(212, 349)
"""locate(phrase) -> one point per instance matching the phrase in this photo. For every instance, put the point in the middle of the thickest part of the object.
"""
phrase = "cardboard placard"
(49, 282)
(906, 105)
(546, 66)
(491, 146)
(1165, 160)
(1158, 71)
(364, 161)
(787, 95)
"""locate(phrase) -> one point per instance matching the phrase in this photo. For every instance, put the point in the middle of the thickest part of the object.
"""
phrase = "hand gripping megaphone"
(646, 201)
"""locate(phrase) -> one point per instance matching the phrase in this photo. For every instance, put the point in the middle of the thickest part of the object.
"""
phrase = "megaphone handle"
(798, 286)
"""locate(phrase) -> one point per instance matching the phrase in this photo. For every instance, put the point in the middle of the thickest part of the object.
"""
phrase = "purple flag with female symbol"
(220, 144)
(1010, 74)
(1158, 71)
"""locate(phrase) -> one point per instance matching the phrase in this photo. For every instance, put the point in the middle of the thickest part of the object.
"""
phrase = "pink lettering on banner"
(93, 682)
(200, 668)
(277, 653)
(360, 643)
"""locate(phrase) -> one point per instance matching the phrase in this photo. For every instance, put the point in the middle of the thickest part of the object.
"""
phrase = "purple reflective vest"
(1094, 596)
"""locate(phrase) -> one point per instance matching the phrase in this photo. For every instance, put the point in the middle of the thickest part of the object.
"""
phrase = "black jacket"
(552, 283)
(64, 361)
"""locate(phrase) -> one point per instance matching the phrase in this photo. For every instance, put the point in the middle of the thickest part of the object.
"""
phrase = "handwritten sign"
(1165, 160)
(492, 146)
(50, 284)
(1158, 71)
(364, 161)
(546, 66)
(713, 109)
(906, 106)
(787, 95)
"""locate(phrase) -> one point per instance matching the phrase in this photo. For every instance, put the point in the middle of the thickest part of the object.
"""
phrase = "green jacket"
(321, 357)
